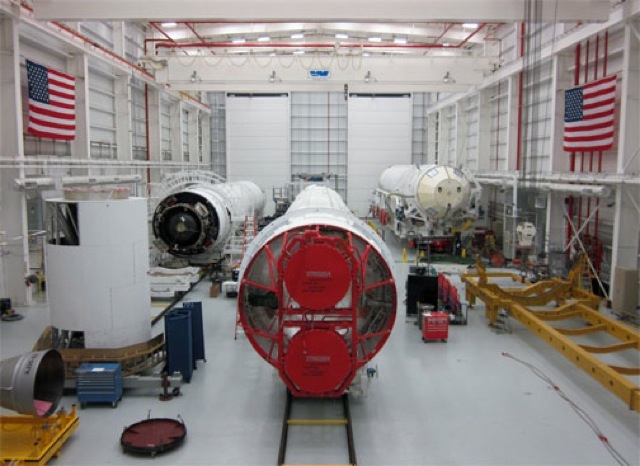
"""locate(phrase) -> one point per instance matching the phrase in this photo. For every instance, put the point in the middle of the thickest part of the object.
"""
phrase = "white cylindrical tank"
(97, 264)
(198, 219)
(317, 297)
(438, 191)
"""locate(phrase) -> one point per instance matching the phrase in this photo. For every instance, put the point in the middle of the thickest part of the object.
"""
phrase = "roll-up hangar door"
(380, 132)
(258, 141)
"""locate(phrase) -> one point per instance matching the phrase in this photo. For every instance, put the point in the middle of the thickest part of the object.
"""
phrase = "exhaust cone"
(32, 383)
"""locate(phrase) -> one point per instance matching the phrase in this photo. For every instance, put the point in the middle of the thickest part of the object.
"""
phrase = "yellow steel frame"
(477, 285)
(32, 440)
(610, 376)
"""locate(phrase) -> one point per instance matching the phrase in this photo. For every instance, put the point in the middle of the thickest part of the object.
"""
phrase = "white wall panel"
(380, 135)
(258, 147)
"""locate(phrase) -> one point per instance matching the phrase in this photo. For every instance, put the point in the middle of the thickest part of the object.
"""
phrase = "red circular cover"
(317, 276)
(317, 361)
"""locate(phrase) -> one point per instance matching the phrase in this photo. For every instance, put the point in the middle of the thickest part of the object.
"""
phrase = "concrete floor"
(455, 403)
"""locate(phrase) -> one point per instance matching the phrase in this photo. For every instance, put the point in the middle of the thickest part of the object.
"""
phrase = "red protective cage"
(317, 302)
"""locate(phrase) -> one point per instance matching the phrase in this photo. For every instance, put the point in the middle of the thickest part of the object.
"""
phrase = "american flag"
(52, 106)
(589, 112)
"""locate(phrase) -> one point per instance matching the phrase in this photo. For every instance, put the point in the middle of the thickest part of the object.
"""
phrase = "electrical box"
(624, 298)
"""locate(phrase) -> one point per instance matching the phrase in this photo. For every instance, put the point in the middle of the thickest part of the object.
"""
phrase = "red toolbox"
(435, 326)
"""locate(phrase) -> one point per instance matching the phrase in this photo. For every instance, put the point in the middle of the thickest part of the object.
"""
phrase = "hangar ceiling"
(408, 42)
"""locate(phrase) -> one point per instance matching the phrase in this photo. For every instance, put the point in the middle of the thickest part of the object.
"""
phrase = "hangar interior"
(326, 180)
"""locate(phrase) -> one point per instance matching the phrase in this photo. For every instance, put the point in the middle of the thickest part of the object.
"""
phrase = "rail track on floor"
(289, 421)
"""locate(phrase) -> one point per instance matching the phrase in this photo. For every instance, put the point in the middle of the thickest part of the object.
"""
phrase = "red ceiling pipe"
(94, 44)
(328, 133)
(520, 95)
(301, 45)
(200, 38)
(570, 206)
(159, 29)
(146, 117)
(605, 60)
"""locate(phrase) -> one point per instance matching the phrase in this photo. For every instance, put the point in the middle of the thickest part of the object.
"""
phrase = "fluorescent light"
(342, 35)
(446, 44)
(375, 39)
(470, 25)
(298, 52)
(264, 39)
(400, 40)
(238, 40)
(168, 25)
(297, 35)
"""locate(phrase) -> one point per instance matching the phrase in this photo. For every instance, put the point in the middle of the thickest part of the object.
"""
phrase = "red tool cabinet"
(435, 326)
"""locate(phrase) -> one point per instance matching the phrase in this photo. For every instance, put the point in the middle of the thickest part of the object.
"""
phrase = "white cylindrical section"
(242, 198)
(316, 205)
(197, 220)
(317, 196)
(100, 286)
(437, 190)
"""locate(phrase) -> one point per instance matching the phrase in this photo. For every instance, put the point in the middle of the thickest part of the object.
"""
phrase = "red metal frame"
(297, 319)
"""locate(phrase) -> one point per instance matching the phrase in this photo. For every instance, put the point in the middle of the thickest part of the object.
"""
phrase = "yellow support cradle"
(33, 440)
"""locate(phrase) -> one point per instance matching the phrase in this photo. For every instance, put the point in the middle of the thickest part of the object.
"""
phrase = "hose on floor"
(578, 410)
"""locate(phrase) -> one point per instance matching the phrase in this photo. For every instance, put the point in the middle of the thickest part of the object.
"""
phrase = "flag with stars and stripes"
(52, 103)
(589, 112)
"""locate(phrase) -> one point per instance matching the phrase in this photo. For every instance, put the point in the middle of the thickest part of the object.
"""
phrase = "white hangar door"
(258, 147)
(380, 131)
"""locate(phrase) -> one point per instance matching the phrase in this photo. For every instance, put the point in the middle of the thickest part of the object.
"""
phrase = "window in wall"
(469, 152)
(102, 113)
(134, 41)
(419, 139)
(165, 128)
(100, 32)
(319, 137)
(218, 133)
(537, 120)
(498, 100)
(138, 120)
(199, 129)
(186, 131)
(449, 122)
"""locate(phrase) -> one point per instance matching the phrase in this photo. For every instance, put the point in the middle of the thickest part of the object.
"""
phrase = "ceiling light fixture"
(264, 39)
(368, 78)
(400, 40)
(470, 25)
(297, 35)
(274, 78)
(298, 52)
(169, 24)
(448, 79)
(194, 77)
(342, 35)
(375, 39)
(238, 40)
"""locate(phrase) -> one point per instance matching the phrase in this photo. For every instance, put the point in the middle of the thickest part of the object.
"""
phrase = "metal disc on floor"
(153, 436)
